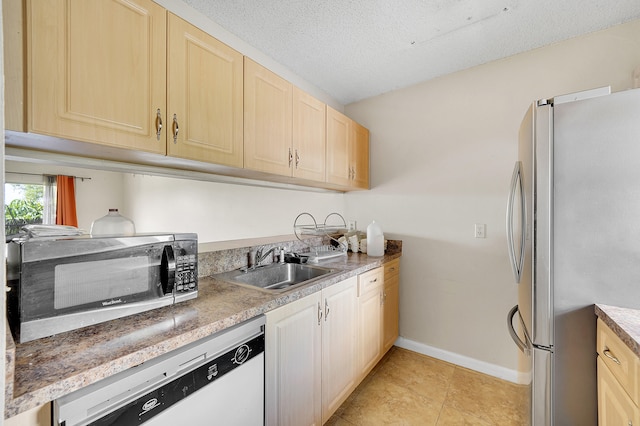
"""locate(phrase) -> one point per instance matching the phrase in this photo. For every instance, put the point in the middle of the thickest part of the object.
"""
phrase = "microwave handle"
(168, 270)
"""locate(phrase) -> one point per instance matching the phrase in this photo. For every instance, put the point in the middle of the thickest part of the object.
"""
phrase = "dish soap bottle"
(112, 224)
(375, 240)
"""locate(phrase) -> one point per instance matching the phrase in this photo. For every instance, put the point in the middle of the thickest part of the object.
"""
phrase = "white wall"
(442, 154)
(215, 211)
(220, 212)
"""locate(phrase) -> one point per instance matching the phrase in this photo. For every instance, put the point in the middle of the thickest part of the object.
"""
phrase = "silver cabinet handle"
(516, 183)
(319, 314)
(290, 157)
(297, 158)
(609, 355)
(158, 123)
(175, 128)
(326, 310)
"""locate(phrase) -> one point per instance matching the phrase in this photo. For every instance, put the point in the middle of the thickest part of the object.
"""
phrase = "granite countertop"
(624, 322)
(45, 369)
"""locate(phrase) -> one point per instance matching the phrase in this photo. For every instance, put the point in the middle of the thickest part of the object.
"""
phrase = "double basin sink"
(276, 277)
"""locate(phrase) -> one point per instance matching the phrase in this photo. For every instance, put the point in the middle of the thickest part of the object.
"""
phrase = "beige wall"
(442, 154)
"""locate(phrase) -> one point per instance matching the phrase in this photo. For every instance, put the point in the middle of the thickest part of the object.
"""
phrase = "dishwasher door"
(216, 380)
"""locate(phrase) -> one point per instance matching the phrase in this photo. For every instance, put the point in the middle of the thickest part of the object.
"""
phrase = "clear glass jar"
(113, 224)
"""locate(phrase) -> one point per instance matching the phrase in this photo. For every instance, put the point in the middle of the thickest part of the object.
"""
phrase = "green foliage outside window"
(26, 209)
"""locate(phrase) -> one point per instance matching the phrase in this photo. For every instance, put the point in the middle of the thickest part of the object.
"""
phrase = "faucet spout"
(260, 256)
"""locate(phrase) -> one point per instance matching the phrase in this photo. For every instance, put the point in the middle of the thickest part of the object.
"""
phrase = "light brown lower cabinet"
(370, 319)
(378, 297)
(390, 304)
(38, 416)
(618, 380)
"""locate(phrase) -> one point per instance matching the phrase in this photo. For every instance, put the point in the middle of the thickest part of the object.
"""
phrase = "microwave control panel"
(186, 273)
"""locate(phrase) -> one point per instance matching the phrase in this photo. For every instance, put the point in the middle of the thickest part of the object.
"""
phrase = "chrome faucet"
(260, 256)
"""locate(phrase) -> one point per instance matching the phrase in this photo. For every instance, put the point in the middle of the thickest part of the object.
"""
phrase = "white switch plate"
(351, 226)
(480, 230)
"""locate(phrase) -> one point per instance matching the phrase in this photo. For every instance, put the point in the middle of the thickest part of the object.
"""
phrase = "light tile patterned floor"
(407, 388)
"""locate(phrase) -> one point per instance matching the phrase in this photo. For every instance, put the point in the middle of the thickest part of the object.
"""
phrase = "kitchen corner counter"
(45, 369)
(624, 322)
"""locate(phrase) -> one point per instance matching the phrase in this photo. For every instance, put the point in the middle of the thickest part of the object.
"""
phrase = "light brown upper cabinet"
(309, 136)
(204, 94)
(284, 127)
(267, 120)
(97, 71)
(359, 156)
(347, 151)
(124, 80)
(130, 74)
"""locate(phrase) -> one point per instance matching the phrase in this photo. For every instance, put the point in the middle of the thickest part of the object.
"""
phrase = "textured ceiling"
(355, 49)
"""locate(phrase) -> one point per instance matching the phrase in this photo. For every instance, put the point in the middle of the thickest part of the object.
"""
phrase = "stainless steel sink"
(276, 277)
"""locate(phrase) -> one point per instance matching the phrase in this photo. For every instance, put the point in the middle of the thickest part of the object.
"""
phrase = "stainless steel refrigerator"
(573, 225)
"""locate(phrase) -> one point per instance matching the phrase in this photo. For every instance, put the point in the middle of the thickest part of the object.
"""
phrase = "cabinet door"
(339, 345)
(621, 361)
(309, 136)
(338, 134)
(97, 80)
(370, 288)
(390, 310)
(267, 120)
(293, 357)
(204, 93)
(390, 307)
(615, 407)
(359, 156)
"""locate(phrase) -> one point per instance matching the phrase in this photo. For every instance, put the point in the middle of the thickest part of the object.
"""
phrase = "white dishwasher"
(217, 380)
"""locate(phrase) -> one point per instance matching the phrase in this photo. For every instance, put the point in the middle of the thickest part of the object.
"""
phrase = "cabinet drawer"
(614, 405)
(620, 360)
(370, 280)
(391, 269)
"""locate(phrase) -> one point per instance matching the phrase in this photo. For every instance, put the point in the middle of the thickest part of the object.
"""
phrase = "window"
(23, 205)
(27, 200)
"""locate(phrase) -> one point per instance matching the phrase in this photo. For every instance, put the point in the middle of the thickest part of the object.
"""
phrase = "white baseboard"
(473, 364)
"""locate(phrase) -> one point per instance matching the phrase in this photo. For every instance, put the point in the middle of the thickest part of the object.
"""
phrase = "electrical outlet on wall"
(480, 230)
(351, 225)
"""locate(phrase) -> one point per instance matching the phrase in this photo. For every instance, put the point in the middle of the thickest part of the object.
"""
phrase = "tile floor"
(407, 388)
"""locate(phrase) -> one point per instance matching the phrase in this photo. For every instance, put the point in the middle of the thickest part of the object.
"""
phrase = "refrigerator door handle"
(517, 261)
(521, 345)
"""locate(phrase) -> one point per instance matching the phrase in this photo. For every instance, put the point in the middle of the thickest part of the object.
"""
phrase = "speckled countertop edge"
(43, 370)
(624, 322)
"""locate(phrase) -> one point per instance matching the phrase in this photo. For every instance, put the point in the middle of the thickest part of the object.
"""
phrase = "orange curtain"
(66, 201)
